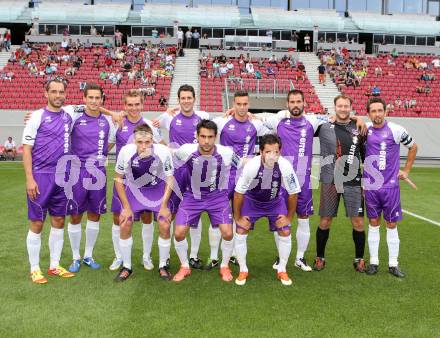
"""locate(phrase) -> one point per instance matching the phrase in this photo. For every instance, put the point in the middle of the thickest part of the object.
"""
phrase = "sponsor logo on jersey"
(48, 119)
(231, 127)
(178, 122)
(82, 122)
(124, 129)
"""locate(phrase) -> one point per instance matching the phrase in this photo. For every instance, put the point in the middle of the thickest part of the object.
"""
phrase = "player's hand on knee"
(164, 215)
(125, 216)
(32, 189)
(244, 222)
(282, 221)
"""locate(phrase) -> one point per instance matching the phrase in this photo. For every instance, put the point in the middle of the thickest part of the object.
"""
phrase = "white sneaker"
(117, 262)
(302, 264)
(148, 264)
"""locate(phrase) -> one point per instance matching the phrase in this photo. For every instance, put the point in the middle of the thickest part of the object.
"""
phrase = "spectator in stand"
(7, 40)
(420, 88)
(162, 101)
(375, 91)
(118, 38)
(412, 103)
(93, 31)
(70, 71)
(223, 70)
(195, 38)
(179, 37)
(398, 102)
(427, 89)
(103, 75)
(294, 36)
(188, 37)
(66, 32)
(394, 53)
(321, 72)
(307, 42)
(258, 75)
(270, 71)
(65, 44)
(378, 71)
(390, 108)
(406, 104)
(250, 68)
(436, 63)
(424, 77)
(154, 33)
(299, 75)
(10, 150)
(273, 60)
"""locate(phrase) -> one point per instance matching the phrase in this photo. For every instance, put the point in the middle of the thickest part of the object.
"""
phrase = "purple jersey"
(124, 135)
(382, 156)
(49, 135)
(90, 137)
(240, 136)
(297, 137)
(182, 129)
(145, 177)
(263, 184)
(206, 174)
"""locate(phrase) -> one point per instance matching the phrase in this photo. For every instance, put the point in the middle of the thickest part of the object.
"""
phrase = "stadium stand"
(22, 80)
(398, 78)
(215, 78)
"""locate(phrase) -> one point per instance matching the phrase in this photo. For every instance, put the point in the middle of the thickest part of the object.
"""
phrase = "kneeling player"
(147, 168)
(258, 194)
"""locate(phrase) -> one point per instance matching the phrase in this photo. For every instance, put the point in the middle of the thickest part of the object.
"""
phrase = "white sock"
(147, 238)
(92, 231)
(393, 246)
(285, 246)
(74, 231)
(182, 251)
(33, 244)
(227, 247)
(56, 240)
(116, 231)
(125, 246)
(302, 237)
(215, 237)
(240, 244)
(196, 236)
(234, 230)
(276, 237)
(373, 243)
(164, 250)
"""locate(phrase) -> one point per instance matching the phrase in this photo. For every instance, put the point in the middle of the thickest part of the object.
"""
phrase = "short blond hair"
(134, 93)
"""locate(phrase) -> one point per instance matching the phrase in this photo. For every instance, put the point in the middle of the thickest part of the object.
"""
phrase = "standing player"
(381, 182)
(241, 134)
(89, 138)
(296, 131)
(182, 130)
(342, 149)
(207, 168)
(133, 106)
(46, 139)
(147, 169)
(258, 194)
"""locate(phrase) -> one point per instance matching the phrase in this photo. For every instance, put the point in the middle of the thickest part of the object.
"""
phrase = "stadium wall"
(424, 131)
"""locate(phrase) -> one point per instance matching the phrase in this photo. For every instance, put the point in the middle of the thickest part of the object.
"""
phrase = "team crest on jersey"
(385, 134)
(276, 174)
(370, 132)
(65, 117)
(248, 129)
(135, 163)
(287, 122)
(195, 123)
(101, 123)
(231, 127)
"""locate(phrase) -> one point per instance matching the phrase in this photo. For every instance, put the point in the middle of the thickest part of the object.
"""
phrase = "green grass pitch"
(336, 302)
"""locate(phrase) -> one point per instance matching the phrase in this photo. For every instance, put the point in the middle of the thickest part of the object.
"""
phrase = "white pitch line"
(421, 217)
(410, 213)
